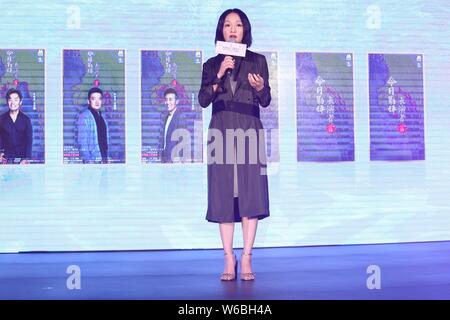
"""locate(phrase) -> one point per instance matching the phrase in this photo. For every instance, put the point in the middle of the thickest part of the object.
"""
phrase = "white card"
(231, 48)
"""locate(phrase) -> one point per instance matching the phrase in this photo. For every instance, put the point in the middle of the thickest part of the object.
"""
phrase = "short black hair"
(170, 90)
(11, 91)
(94, 90)
(247, 38)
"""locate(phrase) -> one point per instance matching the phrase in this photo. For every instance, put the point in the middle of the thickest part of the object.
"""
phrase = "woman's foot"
(246, 267)
(230, 267)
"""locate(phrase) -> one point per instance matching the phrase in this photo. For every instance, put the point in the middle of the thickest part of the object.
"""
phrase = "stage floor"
(408, 271)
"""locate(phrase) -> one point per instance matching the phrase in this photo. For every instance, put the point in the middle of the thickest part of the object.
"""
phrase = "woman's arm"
(212, 82)
(208, 89)
(263, 95)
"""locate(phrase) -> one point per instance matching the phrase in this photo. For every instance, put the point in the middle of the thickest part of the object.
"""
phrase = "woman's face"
(233, 29)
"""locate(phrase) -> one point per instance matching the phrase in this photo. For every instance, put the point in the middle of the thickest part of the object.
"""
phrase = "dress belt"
(238, 107)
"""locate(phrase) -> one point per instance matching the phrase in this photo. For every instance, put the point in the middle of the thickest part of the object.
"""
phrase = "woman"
(237, 183)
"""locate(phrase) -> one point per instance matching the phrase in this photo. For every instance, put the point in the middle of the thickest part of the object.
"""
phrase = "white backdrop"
(56, 207)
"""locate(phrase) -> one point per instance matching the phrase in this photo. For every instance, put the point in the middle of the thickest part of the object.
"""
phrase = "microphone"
(229, 70)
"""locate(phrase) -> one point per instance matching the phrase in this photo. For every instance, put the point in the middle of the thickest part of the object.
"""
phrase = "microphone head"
(232, 40)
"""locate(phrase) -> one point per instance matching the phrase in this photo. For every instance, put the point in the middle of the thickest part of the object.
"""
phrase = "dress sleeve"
(263, 96)
(206, 94)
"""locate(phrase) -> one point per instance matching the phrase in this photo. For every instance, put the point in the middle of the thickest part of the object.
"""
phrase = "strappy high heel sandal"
(248, 276)
(225, 276)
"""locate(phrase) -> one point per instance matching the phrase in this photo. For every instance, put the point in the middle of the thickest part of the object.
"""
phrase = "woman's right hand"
(227, 63)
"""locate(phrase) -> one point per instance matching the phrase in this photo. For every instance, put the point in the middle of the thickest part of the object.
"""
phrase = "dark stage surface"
(408, 271)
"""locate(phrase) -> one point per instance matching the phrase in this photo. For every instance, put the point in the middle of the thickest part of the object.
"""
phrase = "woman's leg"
(249, 226)
(226, 234)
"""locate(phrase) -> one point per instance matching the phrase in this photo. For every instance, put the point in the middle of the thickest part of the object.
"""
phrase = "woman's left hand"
(256, 81)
